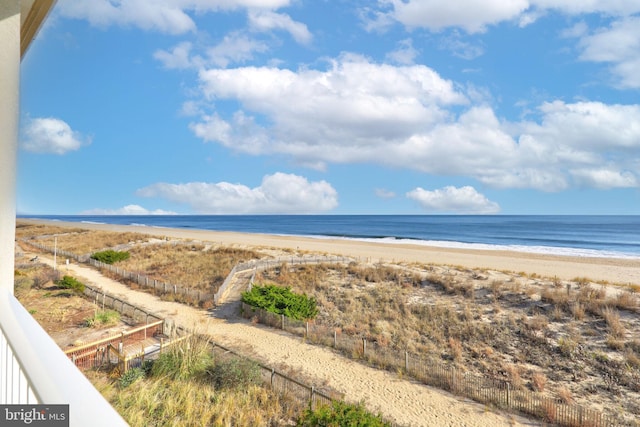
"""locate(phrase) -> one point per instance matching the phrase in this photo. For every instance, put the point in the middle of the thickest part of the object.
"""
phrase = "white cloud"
(177, 58)
(618, 45)
(409, 117)
(604, 178)
(404, 54)
(234, 48)
(163, 16)
(127, 210)
(166, 16)
(474, 16)
(51, 135)
(471, 15)
(263, 20)
(576, 7)
(451, 199)
(278, 193)
(333, 115)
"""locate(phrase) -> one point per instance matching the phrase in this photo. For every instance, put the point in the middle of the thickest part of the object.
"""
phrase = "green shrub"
(103, 318)
(235, 373)
(110, 256)
(68, 282)
(131, 376)
(281, 300)
(340, 414)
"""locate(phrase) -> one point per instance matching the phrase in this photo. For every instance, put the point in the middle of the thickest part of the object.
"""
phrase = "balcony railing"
(33, 369)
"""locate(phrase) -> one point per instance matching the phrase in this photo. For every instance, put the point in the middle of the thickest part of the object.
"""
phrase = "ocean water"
(574, 235)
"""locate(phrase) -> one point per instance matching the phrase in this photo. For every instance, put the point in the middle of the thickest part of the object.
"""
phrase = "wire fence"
(435, 373)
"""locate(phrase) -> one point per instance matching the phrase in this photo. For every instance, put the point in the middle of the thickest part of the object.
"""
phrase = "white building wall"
(9, 110)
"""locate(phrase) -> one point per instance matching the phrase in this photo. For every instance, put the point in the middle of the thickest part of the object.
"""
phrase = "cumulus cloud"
(474, 17)
(470, 15)
(166, 16)
(332, 115)
(127, 210)
(278, 193)
(618, 45)
(51, 135)
(357, 111)
(464, 200)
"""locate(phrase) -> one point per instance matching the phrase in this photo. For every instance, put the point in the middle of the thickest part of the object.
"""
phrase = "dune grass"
(566, 339)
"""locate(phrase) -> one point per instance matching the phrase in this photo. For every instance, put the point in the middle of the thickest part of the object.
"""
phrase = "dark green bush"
(131, 376)
(235, 373)
(341, 414)
(110, 256)
(68, 282)
(281, 300)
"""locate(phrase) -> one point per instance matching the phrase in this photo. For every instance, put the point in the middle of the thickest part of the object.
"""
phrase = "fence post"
(273, 374)
(335, 339)
(453, 380)
(313, 392)
(364, 346)
(406, 361)
(508, 395)
(282, 321)
(306, 334)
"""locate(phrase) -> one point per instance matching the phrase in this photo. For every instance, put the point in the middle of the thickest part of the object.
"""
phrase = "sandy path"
(400, 400)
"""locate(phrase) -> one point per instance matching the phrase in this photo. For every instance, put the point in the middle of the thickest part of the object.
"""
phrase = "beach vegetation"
(69, 282)
(190, 358)
(281, 300)
(341, 414)
(103, 318)
(110, 256)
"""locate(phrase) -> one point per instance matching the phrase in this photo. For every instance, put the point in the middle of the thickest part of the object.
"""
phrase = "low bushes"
(110, 256)
(68, 282)
(340, 414)
(103, 318)
(281, 300)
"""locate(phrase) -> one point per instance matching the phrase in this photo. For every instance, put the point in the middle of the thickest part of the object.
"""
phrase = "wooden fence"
(266, 264)
(284, 385)
(187, 293)
(438, 374)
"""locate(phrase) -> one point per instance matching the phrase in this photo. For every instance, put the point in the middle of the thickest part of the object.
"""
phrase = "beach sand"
(612, 270)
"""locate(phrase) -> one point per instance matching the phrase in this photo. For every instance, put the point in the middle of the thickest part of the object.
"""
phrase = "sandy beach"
(612, 270)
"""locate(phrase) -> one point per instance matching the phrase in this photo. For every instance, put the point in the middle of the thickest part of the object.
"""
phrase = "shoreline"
(623, 271)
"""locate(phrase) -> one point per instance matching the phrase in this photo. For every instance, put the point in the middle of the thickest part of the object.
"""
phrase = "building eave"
(32, 15)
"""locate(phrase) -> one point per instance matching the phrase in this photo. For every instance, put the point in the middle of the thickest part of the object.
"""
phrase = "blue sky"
(337, 107)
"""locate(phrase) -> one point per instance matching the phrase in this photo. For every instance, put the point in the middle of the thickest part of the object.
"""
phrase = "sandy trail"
(400, 400)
